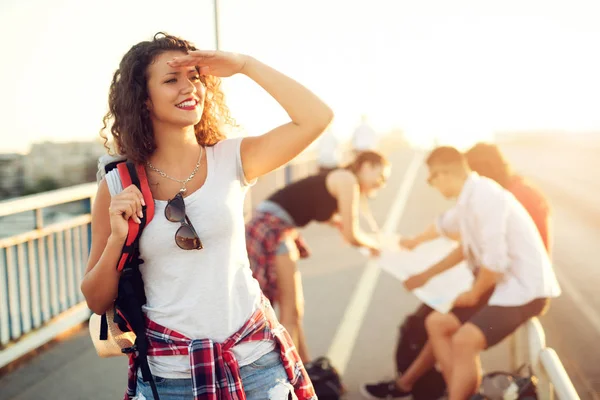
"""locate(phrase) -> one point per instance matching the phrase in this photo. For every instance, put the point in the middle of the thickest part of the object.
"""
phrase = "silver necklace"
(183, 182)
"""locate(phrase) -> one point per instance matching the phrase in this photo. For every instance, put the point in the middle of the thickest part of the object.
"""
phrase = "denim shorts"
(263, 379)
(285, 246)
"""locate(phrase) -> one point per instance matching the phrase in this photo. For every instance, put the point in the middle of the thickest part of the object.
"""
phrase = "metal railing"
(528, 346)
(41, 268)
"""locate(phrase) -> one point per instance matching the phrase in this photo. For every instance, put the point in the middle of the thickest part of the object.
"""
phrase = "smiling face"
(175, 95)
(146, 95)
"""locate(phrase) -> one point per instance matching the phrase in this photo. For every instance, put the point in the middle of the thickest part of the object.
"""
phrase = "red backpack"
(121, 330)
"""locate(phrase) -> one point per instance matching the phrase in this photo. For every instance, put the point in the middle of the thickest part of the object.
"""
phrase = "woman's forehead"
(160, 67)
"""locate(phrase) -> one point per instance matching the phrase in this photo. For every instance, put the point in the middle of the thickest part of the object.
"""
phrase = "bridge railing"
(43, 253)
(528, 346)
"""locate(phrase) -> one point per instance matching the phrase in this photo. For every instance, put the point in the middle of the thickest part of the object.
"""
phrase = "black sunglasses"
(186, 236)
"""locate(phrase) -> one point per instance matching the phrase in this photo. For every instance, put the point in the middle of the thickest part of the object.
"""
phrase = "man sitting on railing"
(499, 236)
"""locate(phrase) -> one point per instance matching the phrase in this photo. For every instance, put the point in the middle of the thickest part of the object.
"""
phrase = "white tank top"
(208, 293)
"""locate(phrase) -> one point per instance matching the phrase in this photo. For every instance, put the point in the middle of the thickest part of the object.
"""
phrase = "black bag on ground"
(325, 379)
(412, 338)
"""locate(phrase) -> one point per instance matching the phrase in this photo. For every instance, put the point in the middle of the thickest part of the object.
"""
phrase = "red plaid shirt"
(215, 371)
(263, 235)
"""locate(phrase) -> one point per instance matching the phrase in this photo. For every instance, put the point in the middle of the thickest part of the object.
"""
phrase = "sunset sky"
(457, 70)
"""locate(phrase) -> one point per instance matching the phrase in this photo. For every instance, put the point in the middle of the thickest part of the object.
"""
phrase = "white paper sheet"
(441, 291)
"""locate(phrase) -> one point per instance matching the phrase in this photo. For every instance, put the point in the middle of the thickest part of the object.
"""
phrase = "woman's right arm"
(343, 185)
(99, 284)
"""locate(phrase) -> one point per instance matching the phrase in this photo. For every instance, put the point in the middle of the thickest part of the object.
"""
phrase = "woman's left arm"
(365, 210)
(309, 116)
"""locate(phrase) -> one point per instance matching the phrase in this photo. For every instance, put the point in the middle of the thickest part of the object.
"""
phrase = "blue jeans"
(275, 209)
(263, 379)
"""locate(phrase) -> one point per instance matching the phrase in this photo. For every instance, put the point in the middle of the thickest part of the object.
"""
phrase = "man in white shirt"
(500, 239)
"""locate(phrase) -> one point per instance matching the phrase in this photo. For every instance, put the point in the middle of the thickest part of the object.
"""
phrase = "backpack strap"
(103, 327)
(131, 294)
(131, 174)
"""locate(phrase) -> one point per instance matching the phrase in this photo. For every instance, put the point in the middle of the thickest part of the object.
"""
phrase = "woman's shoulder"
(339, 179)
(227, 149)
(342, 175)
(227, 144)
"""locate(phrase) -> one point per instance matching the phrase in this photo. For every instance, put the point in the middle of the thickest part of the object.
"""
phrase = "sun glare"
(438, 73)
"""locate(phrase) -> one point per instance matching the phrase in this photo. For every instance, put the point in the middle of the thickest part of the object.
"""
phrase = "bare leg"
(301, 344)
(291, 299)
(302, 347)
(441, 328)
(467, 344)
(423, 363)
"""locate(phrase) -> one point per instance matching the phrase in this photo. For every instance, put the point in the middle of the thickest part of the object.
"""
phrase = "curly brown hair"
(131, 125)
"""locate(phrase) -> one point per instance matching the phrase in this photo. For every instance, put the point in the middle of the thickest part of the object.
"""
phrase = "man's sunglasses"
(186, 236)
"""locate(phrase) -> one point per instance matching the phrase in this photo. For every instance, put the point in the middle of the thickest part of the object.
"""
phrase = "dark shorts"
(496, 322)
(462, 313)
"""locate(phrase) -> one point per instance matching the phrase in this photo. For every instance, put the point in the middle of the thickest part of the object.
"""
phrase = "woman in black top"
(274, 245)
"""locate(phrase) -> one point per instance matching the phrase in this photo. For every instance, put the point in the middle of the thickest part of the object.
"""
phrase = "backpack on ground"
(411, 339)
(121, 330)
(508, 386)
(325, 379)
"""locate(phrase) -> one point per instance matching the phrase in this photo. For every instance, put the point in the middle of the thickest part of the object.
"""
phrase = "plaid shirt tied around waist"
(215, 371)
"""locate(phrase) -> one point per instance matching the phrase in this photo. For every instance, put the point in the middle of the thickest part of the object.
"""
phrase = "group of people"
(502, 225)
(166, 112)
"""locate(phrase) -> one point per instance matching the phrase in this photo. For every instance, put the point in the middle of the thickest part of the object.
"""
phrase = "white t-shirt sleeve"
(239, 165)
(229, 158)
(113, 181)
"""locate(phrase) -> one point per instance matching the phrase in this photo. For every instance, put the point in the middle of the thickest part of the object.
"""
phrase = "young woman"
(167, 111)
(274, 245)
